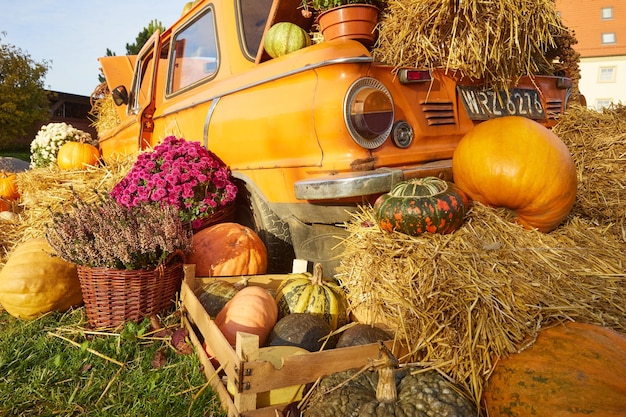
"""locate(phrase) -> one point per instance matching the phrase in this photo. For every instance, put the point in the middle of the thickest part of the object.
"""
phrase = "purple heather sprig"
(178, 173)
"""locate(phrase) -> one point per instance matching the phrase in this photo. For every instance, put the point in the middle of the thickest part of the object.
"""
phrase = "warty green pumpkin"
(422, 205)
(388, 391)
(312, 293)
(35, 281)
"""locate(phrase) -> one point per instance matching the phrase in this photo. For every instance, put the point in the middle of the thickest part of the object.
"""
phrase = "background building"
(600, 28)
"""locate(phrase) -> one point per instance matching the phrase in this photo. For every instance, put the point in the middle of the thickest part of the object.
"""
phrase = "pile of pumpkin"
(308, 312)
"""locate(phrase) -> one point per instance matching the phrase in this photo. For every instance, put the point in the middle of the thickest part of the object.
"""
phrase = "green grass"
(55, 366)
(23, 155)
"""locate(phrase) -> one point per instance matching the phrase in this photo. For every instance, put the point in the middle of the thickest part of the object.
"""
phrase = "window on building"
(608, 38)
(603, 103)
(606, 75)
(607, 13)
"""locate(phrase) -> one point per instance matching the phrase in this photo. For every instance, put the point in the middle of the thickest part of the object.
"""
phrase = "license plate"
(483, 104)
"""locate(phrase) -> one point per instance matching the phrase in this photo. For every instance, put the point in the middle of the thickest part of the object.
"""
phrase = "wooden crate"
(240, 365)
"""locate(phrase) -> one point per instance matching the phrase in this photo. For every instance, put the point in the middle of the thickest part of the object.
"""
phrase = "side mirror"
(120, 95)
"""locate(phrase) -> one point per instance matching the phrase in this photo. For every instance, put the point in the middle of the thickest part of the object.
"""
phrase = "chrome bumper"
(354, 184)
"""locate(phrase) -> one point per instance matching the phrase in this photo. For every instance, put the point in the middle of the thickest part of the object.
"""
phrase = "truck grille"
(439, 113)
(553, 108)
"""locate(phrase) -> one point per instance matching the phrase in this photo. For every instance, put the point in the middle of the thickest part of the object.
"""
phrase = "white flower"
(50, 138)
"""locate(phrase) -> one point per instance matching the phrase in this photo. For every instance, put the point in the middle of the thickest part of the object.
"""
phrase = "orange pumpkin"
(252, 310)
(8, 186)
(517, 163)
(77, 155)
(573, 370)
(227, 249)
(4, 206)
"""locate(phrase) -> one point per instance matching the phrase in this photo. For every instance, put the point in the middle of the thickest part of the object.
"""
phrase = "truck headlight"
(368, 112)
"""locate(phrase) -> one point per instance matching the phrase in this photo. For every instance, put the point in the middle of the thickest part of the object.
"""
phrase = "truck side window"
(254, 15)
(194, 55)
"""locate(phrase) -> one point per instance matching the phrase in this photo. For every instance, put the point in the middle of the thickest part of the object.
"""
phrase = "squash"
(573, 370)
(517, 163)
(77, 155)
(385, 390)
(227, 249)
(35, 281)
(214, 295)
(362, 334)
(252, 310)
(8, 186)
(311, 293)
(275, 355)
(303, 330)
(285, 37)
(422, 205)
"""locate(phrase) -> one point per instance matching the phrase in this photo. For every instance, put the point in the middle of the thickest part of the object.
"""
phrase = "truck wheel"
(253, 212)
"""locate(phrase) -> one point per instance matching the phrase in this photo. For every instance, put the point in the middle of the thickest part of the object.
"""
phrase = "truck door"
(141, 97)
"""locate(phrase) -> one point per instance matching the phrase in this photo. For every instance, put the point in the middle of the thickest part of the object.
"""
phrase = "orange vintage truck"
(309, 135)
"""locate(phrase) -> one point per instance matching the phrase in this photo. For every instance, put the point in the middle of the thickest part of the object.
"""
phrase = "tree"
(140, 40)
(143, 36)
(23, 99)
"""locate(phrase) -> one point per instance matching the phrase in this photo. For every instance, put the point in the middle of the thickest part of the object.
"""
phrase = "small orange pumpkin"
(8, 186)
(517, 163)
(227, 249)
(252, 310)
(77, 155)
(573, 370)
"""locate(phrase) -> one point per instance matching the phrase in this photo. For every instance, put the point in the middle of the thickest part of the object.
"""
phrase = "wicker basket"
(114, 296)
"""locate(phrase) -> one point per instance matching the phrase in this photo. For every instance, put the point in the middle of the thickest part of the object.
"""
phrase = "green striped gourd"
(311, 293)
(422, 205)
(283, 38)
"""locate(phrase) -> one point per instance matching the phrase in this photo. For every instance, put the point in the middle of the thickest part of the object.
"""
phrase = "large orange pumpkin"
(8, 186)
(227, 249)
(77, 155)
(517, 163)
(573, 370)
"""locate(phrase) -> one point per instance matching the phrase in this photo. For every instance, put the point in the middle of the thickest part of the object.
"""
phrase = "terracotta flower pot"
(352, 21)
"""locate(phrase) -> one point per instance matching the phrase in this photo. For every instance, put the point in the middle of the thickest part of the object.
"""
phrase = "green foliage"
(54, 366)
(143, 36)
(321, 5)
(23, 99)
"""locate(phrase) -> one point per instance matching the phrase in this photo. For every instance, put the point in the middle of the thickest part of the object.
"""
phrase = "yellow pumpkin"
(77, 155)
(8, 186)
(517, 163)
(34, 281)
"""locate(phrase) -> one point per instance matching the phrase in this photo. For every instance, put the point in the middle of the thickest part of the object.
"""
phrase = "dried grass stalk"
(597, 141)
(42, 189)
(498, 40)
(459, 301)
(103, 110)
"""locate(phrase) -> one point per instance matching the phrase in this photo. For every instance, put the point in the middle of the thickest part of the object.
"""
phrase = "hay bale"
(498, 40)
(104, 112)
(45, 189)
(460, 301)
(597, 141)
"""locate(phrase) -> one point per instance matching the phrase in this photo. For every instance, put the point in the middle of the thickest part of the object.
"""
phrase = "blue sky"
(72, 34)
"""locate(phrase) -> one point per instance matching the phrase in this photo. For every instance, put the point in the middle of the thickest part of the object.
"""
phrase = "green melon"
(284, 37)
